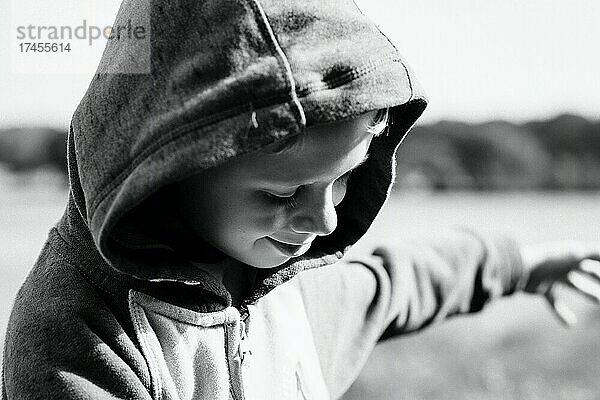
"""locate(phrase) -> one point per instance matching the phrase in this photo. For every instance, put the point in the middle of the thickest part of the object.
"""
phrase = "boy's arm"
(420, 282)
(355, 303)
(63, 342)
(78, 366)
(86, 368)
(458, 272)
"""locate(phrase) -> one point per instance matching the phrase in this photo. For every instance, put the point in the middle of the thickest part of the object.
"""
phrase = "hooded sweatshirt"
(114, 309)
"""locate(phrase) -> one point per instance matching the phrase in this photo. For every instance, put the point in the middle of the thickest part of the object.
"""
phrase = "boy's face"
(264, 209)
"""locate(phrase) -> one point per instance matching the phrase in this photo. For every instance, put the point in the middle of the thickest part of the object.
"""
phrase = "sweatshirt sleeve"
(63, 342)
(459, 272)
(357, 302)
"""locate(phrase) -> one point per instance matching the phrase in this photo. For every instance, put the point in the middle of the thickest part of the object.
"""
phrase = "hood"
(219, 79)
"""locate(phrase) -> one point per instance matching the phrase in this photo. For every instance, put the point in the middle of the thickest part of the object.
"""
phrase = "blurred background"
(509, 143)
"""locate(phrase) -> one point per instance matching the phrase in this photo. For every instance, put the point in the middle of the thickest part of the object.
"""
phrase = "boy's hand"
(573, 264)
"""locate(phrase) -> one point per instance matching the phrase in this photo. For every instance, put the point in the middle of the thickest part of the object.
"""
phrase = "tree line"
(555, 154)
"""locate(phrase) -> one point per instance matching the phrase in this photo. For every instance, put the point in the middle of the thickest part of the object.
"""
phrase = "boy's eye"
(289, 198)
(281, 196)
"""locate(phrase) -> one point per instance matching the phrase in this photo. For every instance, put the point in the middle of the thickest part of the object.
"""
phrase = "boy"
(211, 203)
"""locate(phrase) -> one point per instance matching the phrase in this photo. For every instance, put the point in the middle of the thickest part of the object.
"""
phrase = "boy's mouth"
(290, 250)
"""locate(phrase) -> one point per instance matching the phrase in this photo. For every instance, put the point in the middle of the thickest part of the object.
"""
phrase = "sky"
(476, 59)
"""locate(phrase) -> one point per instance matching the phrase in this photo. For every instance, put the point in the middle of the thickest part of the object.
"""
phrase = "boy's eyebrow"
(289, 185)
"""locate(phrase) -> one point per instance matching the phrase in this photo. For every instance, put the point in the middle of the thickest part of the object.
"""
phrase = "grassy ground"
(514, 349)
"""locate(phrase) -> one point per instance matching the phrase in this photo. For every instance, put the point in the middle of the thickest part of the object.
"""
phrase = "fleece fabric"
(111, 310)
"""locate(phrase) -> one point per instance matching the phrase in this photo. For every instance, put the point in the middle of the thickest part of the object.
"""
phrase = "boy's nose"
(317, 216)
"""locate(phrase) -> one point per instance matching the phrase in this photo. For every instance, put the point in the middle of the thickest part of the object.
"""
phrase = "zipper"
(240, 358)
(244, 350)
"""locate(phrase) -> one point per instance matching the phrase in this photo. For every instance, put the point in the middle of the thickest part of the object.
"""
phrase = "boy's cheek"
(262, 218)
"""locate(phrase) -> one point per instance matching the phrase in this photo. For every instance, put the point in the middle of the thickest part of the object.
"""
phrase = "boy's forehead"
(323, 152)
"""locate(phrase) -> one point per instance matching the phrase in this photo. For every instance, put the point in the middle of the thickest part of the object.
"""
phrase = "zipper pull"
(243, 348)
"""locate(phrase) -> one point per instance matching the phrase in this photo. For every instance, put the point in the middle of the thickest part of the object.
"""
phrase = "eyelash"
(290, 202)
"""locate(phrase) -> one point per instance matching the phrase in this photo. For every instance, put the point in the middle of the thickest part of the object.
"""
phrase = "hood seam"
(410, 85)
(349, 76)
(74, 181)
(276, 48)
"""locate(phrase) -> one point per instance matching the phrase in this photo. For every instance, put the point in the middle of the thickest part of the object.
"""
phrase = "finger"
(590, 266)
(560, 310)
(584, 284)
